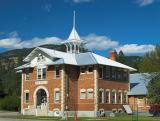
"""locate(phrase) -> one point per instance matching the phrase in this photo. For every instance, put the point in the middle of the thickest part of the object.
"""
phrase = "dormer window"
(40, 58)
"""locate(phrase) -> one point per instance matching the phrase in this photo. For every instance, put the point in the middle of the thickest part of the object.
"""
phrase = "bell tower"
(73, 43)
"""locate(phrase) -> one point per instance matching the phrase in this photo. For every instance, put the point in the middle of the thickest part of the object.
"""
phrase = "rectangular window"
(90, 69)
(100, 97)
(27, 74)
(82, 94)
(100, 72)
(107, 72)
(90, 93)
(83, 69)
(26, 97)
(119, 97)
(56, 96)
(57, 72)
(107, 97)
(41, 73)
(113, 97)
(125, 97)
(113, 73)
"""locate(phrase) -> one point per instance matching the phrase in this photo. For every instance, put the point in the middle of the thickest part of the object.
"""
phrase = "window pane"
(100, 71)
(27, 97)
(82, 95)
(100, 97)
(39, 73)
(83, 69)
(27, 74)
(119, 98)
(107, 96)
(44, 73)
(113, 97)
(90, 95)
(57, 72)
(56, 97)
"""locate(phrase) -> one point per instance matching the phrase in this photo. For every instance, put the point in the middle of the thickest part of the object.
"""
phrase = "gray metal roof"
(138, 83)
(87, 58)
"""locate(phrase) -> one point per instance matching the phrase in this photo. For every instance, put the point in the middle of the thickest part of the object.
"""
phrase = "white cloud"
(93, 41)
(99, 42)
(145, 2)
(135, 48)
(80, 1)
(14, 42)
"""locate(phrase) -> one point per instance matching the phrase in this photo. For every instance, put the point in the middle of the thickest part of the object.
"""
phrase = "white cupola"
(73, 43)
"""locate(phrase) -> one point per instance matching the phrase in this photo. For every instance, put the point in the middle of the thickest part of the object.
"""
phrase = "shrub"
(10, 103)
(120, 110)
(114, 110)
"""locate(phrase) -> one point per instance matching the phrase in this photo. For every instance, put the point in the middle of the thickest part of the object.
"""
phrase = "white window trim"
(26, 74)
(41, 73)
(82, 90)
(90, 90)
(115, 96)
(102, 90)
(126, 96)
(56, 90)
(109, 95)
(120, 91)
(26, 91)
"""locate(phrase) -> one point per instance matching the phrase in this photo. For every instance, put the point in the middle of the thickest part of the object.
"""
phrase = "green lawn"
(118, 118)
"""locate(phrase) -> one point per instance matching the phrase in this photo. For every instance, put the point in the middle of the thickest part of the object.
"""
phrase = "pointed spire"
(74, 35)
(74, 19)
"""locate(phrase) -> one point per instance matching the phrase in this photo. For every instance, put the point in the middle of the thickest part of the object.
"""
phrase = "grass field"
(118, 118)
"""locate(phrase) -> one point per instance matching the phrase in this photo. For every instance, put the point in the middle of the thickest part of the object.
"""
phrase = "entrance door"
(41, 97)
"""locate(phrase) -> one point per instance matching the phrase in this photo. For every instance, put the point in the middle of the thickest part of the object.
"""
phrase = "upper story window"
(100, 72)
(27, 74)
(107, 72)
(57, 71)
(41, 73)
(40, 58)
(83, 69)
(90, 69)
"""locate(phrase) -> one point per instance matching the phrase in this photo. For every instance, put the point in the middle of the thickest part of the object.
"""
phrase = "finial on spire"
(74, 19)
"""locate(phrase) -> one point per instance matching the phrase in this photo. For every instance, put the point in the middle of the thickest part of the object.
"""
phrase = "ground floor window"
(119, 97)
(27, 97)
(113, 97)
(125, 97)
(90, 93)
(56, 95)
(82, 94)
(101, 96)
(108, 96)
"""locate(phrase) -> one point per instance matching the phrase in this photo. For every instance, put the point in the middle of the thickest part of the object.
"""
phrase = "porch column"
(95, 90)
(62, 89)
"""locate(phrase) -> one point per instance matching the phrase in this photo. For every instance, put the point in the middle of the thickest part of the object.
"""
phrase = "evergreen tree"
(151, 64)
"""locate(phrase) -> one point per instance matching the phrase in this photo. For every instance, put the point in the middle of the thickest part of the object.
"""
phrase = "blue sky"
(129, 25)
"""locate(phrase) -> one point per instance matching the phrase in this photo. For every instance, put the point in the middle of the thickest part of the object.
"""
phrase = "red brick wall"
(77, 81)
